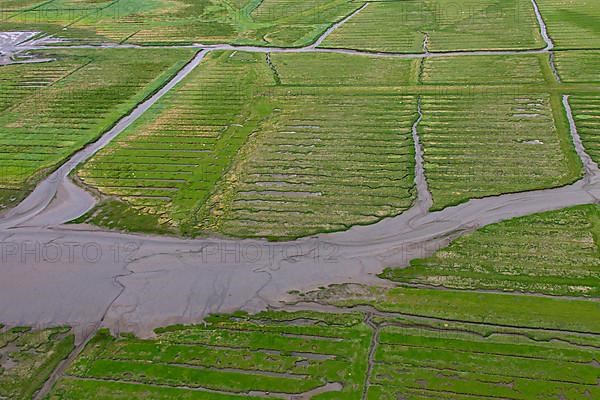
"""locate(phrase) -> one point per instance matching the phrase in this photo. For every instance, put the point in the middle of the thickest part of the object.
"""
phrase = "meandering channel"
(315, 46)
(141, 282)
(75, 202)
(81, 276)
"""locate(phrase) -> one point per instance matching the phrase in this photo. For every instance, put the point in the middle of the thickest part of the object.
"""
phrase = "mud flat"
(80, 275)
(80, 201)
(144, 282)
(83, 276)
(12, 43)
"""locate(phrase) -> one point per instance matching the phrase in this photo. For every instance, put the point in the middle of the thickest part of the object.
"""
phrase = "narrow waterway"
(83, 276)
(137, 282)
(543, 27)
(424, 199)
(590, 166)
(73, 201)
(335, 26)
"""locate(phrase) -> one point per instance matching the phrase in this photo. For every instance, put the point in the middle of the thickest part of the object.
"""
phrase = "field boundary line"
(335, 26)
(371, 355)
(590, 166)
(62, 367)
(315, 305)
(43, 194)
(328, 387)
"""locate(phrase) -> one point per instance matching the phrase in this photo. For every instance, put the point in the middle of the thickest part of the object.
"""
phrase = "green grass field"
(228, 357)
(424, 344)
(304, 164)
(449, 363)
(572, 25)
(27, 358)
(504, 74)
(285, 145)
(271, 22)
(249, 146)
(449, 344)
(50, 110)
(449, 25)
(405, 26)
(480, 130)
(578, 66)
(478, 145)
(168, 162)
(586, 110)
(538, 315)
(552, 253)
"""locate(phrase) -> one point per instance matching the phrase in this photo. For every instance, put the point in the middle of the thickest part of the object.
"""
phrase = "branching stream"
(173, 280)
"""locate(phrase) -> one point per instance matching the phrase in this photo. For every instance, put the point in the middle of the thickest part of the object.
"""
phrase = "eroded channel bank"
(72, 201)
(83, 276)
(131, 282)
(315, 47)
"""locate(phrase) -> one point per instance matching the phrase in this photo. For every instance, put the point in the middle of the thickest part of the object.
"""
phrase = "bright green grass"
(552, 253)
(493, 309)
(414, 357)
(572, 24)
(50, 110)
(478, 145)
(519, 71)
(27, 358)
(452, 363)
(449, 25)
(586, 110)
(578, 66)
(168, 162)
(272, 22)
(17, 83)
(249, 146)
(269, 352)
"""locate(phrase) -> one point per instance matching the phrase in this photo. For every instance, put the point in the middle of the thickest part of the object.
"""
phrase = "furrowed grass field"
(574, 24)
(249, 146)
(327, 155)
(27, 358)
(167, 164)
(422, 344)
(50, 110)
(229, 357)
(455, 362)
(539, 316)
(553, 253)
(460, 132)
(578, 66)
(406, 26)
(480, 139)
(271, 22)
(586, 111)
(285, 145)
(270, 145)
